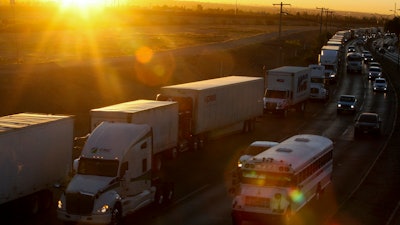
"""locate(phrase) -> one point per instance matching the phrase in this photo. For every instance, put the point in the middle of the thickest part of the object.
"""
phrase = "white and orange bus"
(281, 180)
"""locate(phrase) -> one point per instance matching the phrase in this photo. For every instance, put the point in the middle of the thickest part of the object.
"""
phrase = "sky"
(385, 7)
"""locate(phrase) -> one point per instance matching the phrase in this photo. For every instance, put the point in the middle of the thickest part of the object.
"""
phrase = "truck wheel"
(169, 192)
(46, 200)
(157, 163)
(174, 153)
(159, 198)
(236, 221)
(116, 216)
(33, 206)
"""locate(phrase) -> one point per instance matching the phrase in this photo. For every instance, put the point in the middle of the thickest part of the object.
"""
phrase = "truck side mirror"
(75, 165)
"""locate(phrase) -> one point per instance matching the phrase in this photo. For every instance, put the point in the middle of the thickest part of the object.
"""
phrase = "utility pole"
(395, 10)
(327, 18)
(280, 18)
(320, 23)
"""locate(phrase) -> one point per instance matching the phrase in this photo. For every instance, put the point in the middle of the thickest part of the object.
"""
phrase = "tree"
(393, 26)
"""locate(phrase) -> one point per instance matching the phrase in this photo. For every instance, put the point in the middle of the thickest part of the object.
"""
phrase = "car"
(347, 103)
(380, 84)
(391, 48)
(254, 149)
(374, 72)
(374, 63)
(351, 49)
(367, 56)
(367, 123)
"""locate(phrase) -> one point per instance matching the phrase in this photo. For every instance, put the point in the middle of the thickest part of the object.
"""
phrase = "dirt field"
(75, 89)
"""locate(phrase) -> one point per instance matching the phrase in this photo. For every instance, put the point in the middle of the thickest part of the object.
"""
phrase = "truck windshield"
(98, 167)
(275, 94)
(262, 178)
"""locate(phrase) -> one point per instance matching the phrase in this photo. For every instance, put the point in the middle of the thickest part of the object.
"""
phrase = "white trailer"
(161, 116)
(114, 176)
(287, 87)
(330, 59)
(215, 107)
(35, 155)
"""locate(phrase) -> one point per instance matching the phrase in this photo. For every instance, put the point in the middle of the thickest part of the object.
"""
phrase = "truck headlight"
(59, 204)
(103, 209)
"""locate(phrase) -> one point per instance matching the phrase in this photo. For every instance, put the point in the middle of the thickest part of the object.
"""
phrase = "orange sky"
(386, 7)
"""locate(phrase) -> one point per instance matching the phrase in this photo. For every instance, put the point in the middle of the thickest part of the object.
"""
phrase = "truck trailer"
(215, 107)
(161, 116)
(330, 57)
(287, 87)
(35, 157)
(114, 176)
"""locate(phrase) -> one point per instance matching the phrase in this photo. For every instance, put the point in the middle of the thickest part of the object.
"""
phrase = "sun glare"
(82, 4)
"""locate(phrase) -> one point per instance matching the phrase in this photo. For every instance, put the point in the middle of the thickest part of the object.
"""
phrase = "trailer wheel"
(157, 163)
(159, 198)
(174, 153)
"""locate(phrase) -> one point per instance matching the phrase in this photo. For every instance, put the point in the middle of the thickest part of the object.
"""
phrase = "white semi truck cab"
(114, 176)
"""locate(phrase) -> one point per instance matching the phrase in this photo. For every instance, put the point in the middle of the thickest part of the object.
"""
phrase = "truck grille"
(257, 202)
(79, 204)
(271, 105)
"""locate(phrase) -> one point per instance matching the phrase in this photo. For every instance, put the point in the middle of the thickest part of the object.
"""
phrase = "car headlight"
(352, 106)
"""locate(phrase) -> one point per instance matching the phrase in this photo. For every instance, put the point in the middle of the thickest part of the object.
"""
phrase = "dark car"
(347, 103)
(374, 72)
(367, 123)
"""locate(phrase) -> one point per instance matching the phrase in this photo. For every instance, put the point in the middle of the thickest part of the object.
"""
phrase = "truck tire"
(46, 200)
(157, 163)
(159, 196)
(33, 204)
(169, 192)
(116, 215)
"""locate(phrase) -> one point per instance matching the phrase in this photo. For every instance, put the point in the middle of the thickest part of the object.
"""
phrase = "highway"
(356, 195)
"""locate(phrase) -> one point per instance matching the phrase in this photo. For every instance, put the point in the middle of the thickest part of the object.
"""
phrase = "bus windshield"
(262, 178)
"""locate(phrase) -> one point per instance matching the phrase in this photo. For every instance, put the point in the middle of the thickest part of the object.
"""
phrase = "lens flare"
(296, 195)
(144, 54)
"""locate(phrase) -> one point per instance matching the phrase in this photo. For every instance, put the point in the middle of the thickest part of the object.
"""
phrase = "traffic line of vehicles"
(119, 168)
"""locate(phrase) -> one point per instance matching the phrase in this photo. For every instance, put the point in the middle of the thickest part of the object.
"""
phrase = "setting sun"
(81, 3)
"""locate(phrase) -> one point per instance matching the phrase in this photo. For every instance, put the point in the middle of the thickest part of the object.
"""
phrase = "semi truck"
(161, 116)
(35, 159)
(287, 87)
(212, 108)
(114, 176)
(330, 58)
(318, 84)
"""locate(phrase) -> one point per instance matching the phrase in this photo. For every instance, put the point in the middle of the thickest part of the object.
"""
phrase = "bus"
(281, 180)
(354, 62)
